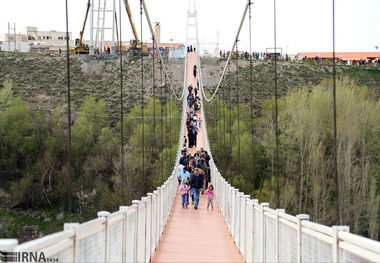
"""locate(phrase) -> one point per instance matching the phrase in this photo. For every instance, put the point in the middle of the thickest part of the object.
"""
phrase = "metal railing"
(263, 234)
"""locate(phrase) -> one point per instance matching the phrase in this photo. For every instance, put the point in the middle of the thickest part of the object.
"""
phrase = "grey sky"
(303, 25)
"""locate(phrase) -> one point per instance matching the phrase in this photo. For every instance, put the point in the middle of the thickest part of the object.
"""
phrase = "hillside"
(41, 79)
(290, 76)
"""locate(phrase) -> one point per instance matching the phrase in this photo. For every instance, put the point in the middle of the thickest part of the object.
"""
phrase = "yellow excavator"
(80, 46)
(136, 46)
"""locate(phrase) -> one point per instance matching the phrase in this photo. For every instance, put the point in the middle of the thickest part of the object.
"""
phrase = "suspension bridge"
(156, 228)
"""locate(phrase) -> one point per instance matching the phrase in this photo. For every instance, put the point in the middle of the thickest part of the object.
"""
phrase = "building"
(54, 40)
(45, 41)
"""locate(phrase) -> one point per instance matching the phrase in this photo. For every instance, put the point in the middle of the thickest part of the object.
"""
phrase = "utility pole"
(9, 42)
(14, 33)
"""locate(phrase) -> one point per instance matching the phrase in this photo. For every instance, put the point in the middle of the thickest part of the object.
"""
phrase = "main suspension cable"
(159, 54)
(229, 57)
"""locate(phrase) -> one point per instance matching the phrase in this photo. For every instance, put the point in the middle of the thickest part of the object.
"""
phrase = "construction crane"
(80, 46)
(136, 45)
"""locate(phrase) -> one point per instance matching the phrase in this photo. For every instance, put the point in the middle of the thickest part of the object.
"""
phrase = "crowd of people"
(193, 123)
(194, 178)
(194, 174)
(264, 56)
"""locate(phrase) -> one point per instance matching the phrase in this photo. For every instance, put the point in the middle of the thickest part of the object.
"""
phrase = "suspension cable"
(159, 53)
(162, 128)
(224, 118)
(166, 120)
(229, 57)
(238, 99)
(218, 121)
(142, 99)
(121, 110)
(276, 103)
(154, 95)
(70, 186)
(339, 219)
(229, 107)
(250, 72)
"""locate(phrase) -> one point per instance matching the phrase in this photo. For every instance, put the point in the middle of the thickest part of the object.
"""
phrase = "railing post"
(159, 210)
(300, 218)
(145, 203)
(254, 203)
(150, 199)
(106, 215)
(263, 205)
(156, 219)
(243, 238)
(278, 233)
(72, 227)
(335, 245)
(233, 213)
(124, 209)
(135, 249)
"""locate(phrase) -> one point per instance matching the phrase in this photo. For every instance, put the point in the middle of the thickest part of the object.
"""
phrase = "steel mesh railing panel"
(315, 250)
(228, 207)
(141, 234)
(148, 230)
(66, 255)
(287, 243)
(270, 239)
(237, 218)
(154, 222)
(92, 248)
(257, 236)
(249, 232)
(347, 256)
(131, 236)
(115, 242)
(242, 226)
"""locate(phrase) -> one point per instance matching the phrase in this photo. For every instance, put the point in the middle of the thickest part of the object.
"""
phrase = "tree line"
(33, 153)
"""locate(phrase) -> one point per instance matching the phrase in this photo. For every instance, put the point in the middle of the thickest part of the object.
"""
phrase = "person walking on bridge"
(196, 185)
(183, 189)
(195, 71)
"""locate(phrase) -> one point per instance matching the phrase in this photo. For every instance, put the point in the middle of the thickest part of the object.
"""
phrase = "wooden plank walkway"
(196, 235)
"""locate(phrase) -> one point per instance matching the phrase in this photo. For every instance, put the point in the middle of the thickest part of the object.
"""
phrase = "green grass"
(13, 220)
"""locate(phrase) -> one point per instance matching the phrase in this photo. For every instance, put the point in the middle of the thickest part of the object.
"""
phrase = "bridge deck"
(196, 235)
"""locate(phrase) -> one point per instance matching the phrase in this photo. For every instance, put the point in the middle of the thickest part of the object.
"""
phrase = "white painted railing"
(263, 234)
(128, 235)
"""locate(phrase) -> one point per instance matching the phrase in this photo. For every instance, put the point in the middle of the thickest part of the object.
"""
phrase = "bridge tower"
(102, 19)
(192, 26)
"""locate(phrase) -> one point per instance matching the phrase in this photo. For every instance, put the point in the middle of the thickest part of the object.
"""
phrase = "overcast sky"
(302, 25)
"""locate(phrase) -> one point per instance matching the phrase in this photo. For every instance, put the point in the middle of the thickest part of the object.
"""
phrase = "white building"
(51, 41)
